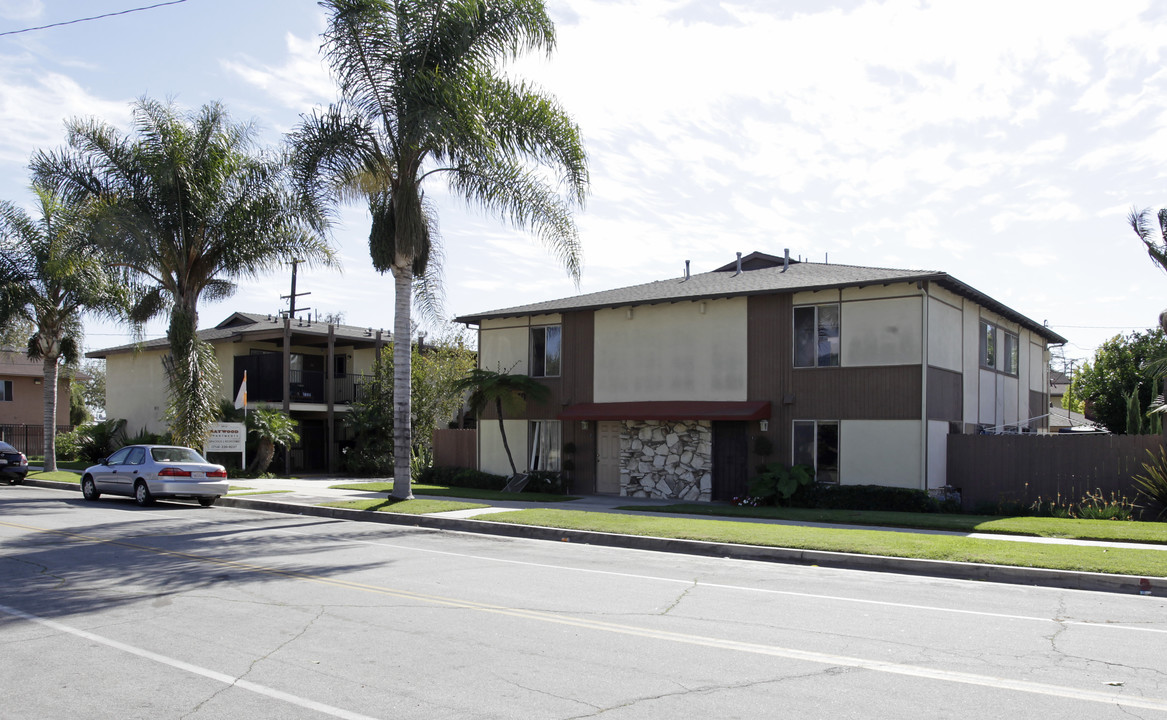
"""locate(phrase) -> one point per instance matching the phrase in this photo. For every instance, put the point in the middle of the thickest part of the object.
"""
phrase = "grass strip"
(447, 491)
(1122, 561)
(1070, 528)
(58, 476)
(242, 492)
(417, 506)
(62, 464)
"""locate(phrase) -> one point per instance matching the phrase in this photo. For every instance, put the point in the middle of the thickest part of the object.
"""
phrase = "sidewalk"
(304, 496)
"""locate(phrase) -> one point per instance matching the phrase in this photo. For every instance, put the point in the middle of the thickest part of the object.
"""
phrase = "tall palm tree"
(423, 99)
(51, 276)
(504, 392)
(188, 204)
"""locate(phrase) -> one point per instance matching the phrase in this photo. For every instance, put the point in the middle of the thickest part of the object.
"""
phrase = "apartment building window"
(5, 391)
(545, 444)
(816, 336)
(988, 346)
(816, 443)
(1011, 353)
(546, 351)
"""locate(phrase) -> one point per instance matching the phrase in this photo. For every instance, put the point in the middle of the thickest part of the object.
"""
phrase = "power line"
(95, 17)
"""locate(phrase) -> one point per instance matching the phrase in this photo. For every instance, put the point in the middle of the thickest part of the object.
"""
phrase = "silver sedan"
(146, 472)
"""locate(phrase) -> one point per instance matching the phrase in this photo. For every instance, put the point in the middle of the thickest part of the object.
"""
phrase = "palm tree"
(506, 393)
(422, 99)
(187, 205)
(272, 427)
(51, 276)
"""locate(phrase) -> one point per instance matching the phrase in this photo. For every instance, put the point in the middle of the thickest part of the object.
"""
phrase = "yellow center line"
(1116, 697)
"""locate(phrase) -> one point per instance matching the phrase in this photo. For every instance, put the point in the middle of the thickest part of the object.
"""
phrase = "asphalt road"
(112, 611)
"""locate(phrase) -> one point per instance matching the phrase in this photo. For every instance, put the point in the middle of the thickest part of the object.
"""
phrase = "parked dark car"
(13, 464)
(145, 472)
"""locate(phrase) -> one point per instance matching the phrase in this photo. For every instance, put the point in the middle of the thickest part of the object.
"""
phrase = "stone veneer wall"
(666, 459)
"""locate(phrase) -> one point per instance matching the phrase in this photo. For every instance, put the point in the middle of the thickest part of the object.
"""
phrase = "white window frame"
(836, 352)
(542, 369)
(545, 441)
(822, 474)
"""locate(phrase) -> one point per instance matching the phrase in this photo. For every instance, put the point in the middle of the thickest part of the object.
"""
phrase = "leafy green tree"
(52, 276)
(437, 398)
(1121, 366)
(271, 427)
(506, 393)
(423, 99)
(187, 204)
(370, 424)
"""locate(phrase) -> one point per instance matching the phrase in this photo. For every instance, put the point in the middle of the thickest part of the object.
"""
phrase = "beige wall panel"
(135, 389)
(880, 452)
(504, 348)
(809, 297)
(27, 404)
(1038, 365)
(945, 295)
(881, 332)
(945, 336)
(937, 453)
(1011, 412)
(672, 352)
(492, 456)
(986, 397)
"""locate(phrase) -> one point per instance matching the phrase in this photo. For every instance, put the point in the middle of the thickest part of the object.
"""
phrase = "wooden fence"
(1022, 468)
(456, 448)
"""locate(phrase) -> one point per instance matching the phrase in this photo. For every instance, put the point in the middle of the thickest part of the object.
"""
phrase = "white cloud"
(300, 82)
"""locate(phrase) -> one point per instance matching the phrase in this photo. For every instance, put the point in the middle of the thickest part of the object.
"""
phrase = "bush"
(100, 439)
(776, 483)
(545, 481)
(864, 497)
(1152, 483)
(69, 444)
(461, 477)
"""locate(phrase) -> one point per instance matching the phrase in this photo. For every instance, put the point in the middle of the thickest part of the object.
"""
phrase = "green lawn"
(58, 476)
(446, 491)
(62, 464)
(408, 507)
(866, 542)
(1113, 530)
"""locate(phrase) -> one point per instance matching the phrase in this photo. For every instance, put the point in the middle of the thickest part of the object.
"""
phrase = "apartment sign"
(227, 437)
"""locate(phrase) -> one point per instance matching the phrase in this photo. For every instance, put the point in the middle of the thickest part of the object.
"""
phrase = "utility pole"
(292, 309)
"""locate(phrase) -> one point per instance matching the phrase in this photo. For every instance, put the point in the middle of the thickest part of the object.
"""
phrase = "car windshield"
(175, 455)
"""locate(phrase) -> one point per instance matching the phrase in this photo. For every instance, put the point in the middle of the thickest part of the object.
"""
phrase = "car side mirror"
(104, 461)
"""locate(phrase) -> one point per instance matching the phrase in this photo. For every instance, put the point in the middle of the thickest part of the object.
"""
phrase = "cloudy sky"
(1001, 142)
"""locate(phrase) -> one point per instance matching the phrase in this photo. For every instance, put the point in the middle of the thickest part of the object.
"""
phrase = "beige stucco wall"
(881, 332)
(672, 351)
(880, 452)
(27, 405)
(945, 335)
(504, 343)
(135, 389)
(937, 453)
(492, 457)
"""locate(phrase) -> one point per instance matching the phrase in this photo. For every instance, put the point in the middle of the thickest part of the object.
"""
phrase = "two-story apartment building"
(679, 388)
(310, 369)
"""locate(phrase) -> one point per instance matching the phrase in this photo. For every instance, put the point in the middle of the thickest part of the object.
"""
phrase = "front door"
(730, 460)
(608, 458)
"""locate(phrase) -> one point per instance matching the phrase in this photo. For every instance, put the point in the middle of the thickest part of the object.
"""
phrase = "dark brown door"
(730, 460)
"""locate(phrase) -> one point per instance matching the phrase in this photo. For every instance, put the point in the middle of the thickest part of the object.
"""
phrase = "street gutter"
(1042, 577)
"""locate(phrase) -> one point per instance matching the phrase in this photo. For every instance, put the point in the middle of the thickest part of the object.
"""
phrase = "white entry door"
(608, 458)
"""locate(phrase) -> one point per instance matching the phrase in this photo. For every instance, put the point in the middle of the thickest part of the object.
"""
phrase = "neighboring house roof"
(253, 326)
(15, 363)
(761, 274)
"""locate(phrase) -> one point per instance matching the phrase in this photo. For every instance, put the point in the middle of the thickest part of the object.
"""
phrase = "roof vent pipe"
(686, 269)
(786, 261)
(739, 266)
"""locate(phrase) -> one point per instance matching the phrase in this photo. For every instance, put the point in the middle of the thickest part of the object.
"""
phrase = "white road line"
(194, 669)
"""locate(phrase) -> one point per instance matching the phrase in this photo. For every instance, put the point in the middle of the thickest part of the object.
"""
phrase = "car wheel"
(208, 501)
(89, 488)
(142, 494)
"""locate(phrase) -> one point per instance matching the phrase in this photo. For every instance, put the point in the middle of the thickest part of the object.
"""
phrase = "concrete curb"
(1096, 582)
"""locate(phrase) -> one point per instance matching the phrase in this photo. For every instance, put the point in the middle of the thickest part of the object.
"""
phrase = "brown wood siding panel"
(770, 362)
(990, 469)
(1039, 408)
(945, 395)
(860, 393)
(579, 363)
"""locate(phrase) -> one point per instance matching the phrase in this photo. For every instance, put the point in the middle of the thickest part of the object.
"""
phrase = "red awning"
(670, 410)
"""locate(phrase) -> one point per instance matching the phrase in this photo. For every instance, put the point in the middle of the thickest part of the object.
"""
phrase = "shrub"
(865, 497)
(100, 439)
(1152, 483)
(776, 483)
(461, 477)
(545, 481)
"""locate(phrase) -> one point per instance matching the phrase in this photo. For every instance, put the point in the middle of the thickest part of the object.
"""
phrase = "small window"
(1011, 353)
(988, 346)
(5, 391)
(816, 443)
(816, 336)
(136, 456)
(545, 351)
(119, 457)
(545, 443)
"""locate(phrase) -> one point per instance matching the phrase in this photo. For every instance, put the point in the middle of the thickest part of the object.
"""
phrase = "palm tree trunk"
(503, 431)
(402, 432)
(50, 393)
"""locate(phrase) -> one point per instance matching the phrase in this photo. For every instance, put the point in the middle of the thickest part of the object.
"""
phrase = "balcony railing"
(265, 382)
